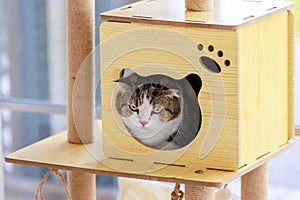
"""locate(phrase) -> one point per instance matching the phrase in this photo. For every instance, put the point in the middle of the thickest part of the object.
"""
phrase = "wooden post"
(194, 192)
(255, 184)
(80, 42)
(199, 5)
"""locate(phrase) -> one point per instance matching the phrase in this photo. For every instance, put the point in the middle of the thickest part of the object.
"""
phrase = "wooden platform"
(225, 15)
(55, 152)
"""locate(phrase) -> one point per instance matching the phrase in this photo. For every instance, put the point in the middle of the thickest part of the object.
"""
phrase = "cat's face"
(152, 108)
(149, 106)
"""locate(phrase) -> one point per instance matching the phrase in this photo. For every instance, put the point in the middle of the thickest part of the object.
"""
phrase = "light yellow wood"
(173, 52)
(173, 12)
(291, 60)
(55, 152)
(264, 87)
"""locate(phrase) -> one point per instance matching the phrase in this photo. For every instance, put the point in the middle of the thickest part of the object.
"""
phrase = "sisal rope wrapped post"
(80, 43)
(255, 184)
(199, 5)
(194, 192)
(82, 186)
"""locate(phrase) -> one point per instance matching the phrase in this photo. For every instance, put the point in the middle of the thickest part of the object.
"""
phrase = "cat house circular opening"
(159, 111)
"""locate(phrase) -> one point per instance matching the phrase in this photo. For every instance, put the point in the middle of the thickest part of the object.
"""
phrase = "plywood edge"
(238, 33)
(268, 155)
(241, 40)
(191, 24)
(277, 11)
(21, 157)
(176, 15)
(291, 64)
(46, 158)
(264, 159)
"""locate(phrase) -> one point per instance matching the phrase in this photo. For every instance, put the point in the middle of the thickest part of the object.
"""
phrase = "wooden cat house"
(242, 54)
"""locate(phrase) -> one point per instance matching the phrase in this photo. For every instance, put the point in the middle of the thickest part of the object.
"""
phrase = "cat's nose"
(143, 123)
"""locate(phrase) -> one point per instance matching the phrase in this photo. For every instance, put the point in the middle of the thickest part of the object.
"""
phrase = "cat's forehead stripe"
(154, 93)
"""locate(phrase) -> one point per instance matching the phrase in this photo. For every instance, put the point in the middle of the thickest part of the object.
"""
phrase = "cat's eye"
(133, 107)
(157, 110)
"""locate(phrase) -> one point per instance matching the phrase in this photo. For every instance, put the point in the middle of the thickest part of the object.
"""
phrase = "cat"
(159, 111)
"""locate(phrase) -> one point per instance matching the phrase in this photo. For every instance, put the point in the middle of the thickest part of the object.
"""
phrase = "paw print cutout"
(210, 63)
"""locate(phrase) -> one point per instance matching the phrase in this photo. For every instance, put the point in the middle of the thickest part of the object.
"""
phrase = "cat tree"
(74, 155)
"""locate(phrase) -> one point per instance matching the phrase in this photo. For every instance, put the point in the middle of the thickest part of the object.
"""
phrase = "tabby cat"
(157, 110)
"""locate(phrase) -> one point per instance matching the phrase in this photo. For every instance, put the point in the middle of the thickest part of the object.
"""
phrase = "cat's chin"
(146, 131)
(144, 128)
(155, 134)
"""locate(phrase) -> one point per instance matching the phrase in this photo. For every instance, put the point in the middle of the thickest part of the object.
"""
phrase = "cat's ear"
(175, 93)
(128, 77)
(195, 82)
(126, 72)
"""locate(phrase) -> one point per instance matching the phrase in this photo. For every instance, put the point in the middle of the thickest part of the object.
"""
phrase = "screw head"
(199, 171)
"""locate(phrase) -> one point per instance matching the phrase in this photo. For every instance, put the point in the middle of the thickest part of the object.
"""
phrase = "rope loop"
(39, 192)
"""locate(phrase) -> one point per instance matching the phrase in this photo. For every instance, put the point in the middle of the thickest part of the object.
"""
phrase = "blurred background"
(33, 98)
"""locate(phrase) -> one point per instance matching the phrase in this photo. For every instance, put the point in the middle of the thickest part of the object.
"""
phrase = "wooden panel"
(264, 87)
(291, 57)
(172, 12)
(173, 51)
(56, 152)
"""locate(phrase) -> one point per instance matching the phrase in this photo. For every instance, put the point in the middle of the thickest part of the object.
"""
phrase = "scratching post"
(255, 184)
(82, 186)
(199, 5)
(194, 192)
(80, 42)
